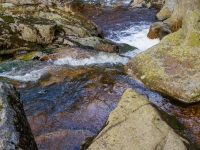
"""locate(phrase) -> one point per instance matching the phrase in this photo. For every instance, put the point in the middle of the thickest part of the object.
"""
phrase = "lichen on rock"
(15, 130)
(172, 66)
(33, 25)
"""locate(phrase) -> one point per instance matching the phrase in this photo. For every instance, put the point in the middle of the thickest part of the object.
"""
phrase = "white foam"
(135, 36)
(31, 76)
(101, 57)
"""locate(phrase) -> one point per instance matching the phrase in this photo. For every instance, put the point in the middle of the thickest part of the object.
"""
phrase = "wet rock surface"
(74, 102)
(136, 123)
(69, 104)
(15, 130)
(124, 17)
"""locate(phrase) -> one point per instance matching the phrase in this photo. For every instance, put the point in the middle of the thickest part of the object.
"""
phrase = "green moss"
(8, 19)
(125, 48)
(29, 56)
(173, 38)
(1, 107)
(9, 100)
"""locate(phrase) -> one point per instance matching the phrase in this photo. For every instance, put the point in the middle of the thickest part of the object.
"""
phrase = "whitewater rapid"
(135, 36)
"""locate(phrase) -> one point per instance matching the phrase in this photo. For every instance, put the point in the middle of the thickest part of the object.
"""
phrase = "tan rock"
(172, 67)
(154, 30)
(167, 10)
(174, 11)
(136, 124)
(41, 32)
(137, 3)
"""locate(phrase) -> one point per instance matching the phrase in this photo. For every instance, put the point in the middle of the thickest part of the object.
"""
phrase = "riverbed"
(69, 99)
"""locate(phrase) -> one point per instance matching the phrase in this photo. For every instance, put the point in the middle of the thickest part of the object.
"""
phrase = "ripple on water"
(66, 104)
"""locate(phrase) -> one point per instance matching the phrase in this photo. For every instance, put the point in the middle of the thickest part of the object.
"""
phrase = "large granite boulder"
(15, 130)
(174, 11)
(172, 66)
(172, 14)
(136, 124)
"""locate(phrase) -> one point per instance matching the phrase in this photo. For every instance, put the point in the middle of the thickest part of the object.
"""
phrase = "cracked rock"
(136, 124)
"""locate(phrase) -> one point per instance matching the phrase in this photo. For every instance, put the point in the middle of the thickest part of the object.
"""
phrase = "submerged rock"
(135, 123)
(15, 130)
(172, 67)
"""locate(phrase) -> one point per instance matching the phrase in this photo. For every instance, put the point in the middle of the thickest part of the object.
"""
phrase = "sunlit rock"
(173, 12)
(135, 123)
(172, 66)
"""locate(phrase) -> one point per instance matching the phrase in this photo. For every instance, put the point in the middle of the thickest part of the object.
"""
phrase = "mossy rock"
(191, 28)
(126, 48)
(174, 38)
(172, 70)
(31, 55)
(171, 67)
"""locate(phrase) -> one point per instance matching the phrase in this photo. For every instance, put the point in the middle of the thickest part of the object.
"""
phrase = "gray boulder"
(15, 132)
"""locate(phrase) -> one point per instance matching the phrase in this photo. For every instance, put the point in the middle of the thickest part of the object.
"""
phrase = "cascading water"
(68, 99)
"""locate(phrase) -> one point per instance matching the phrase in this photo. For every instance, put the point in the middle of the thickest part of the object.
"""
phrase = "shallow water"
(68, 99)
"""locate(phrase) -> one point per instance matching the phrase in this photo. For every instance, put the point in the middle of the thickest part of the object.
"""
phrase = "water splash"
(136, 36)
(30, 76)
(102, 57)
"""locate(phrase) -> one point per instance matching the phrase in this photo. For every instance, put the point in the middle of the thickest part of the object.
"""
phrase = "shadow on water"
(74, 104)
(68, 104)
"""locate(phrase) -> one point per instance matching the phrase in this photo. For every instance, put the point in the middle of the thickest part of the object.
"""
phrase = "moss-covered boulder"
(34, 25)
(172, 66)
(15, 130)
(191, 28)
(136, 124)
(173, 12)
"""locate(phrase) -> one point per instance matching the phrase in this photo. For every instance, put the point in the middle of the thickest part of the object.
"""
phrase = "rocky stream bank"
(66, 104)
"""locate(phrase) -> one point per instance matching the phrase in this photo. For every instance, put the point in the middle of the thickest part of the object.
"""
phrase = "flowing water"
(69, 99)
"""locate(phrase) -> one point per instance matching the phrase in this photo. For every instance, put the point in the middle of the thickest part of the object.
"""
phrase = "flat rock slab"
(136, 124)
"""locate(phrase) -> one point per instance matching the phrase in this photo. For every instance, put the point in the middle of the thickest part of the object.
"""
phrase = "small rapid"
(134, 36)
(69, 98)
